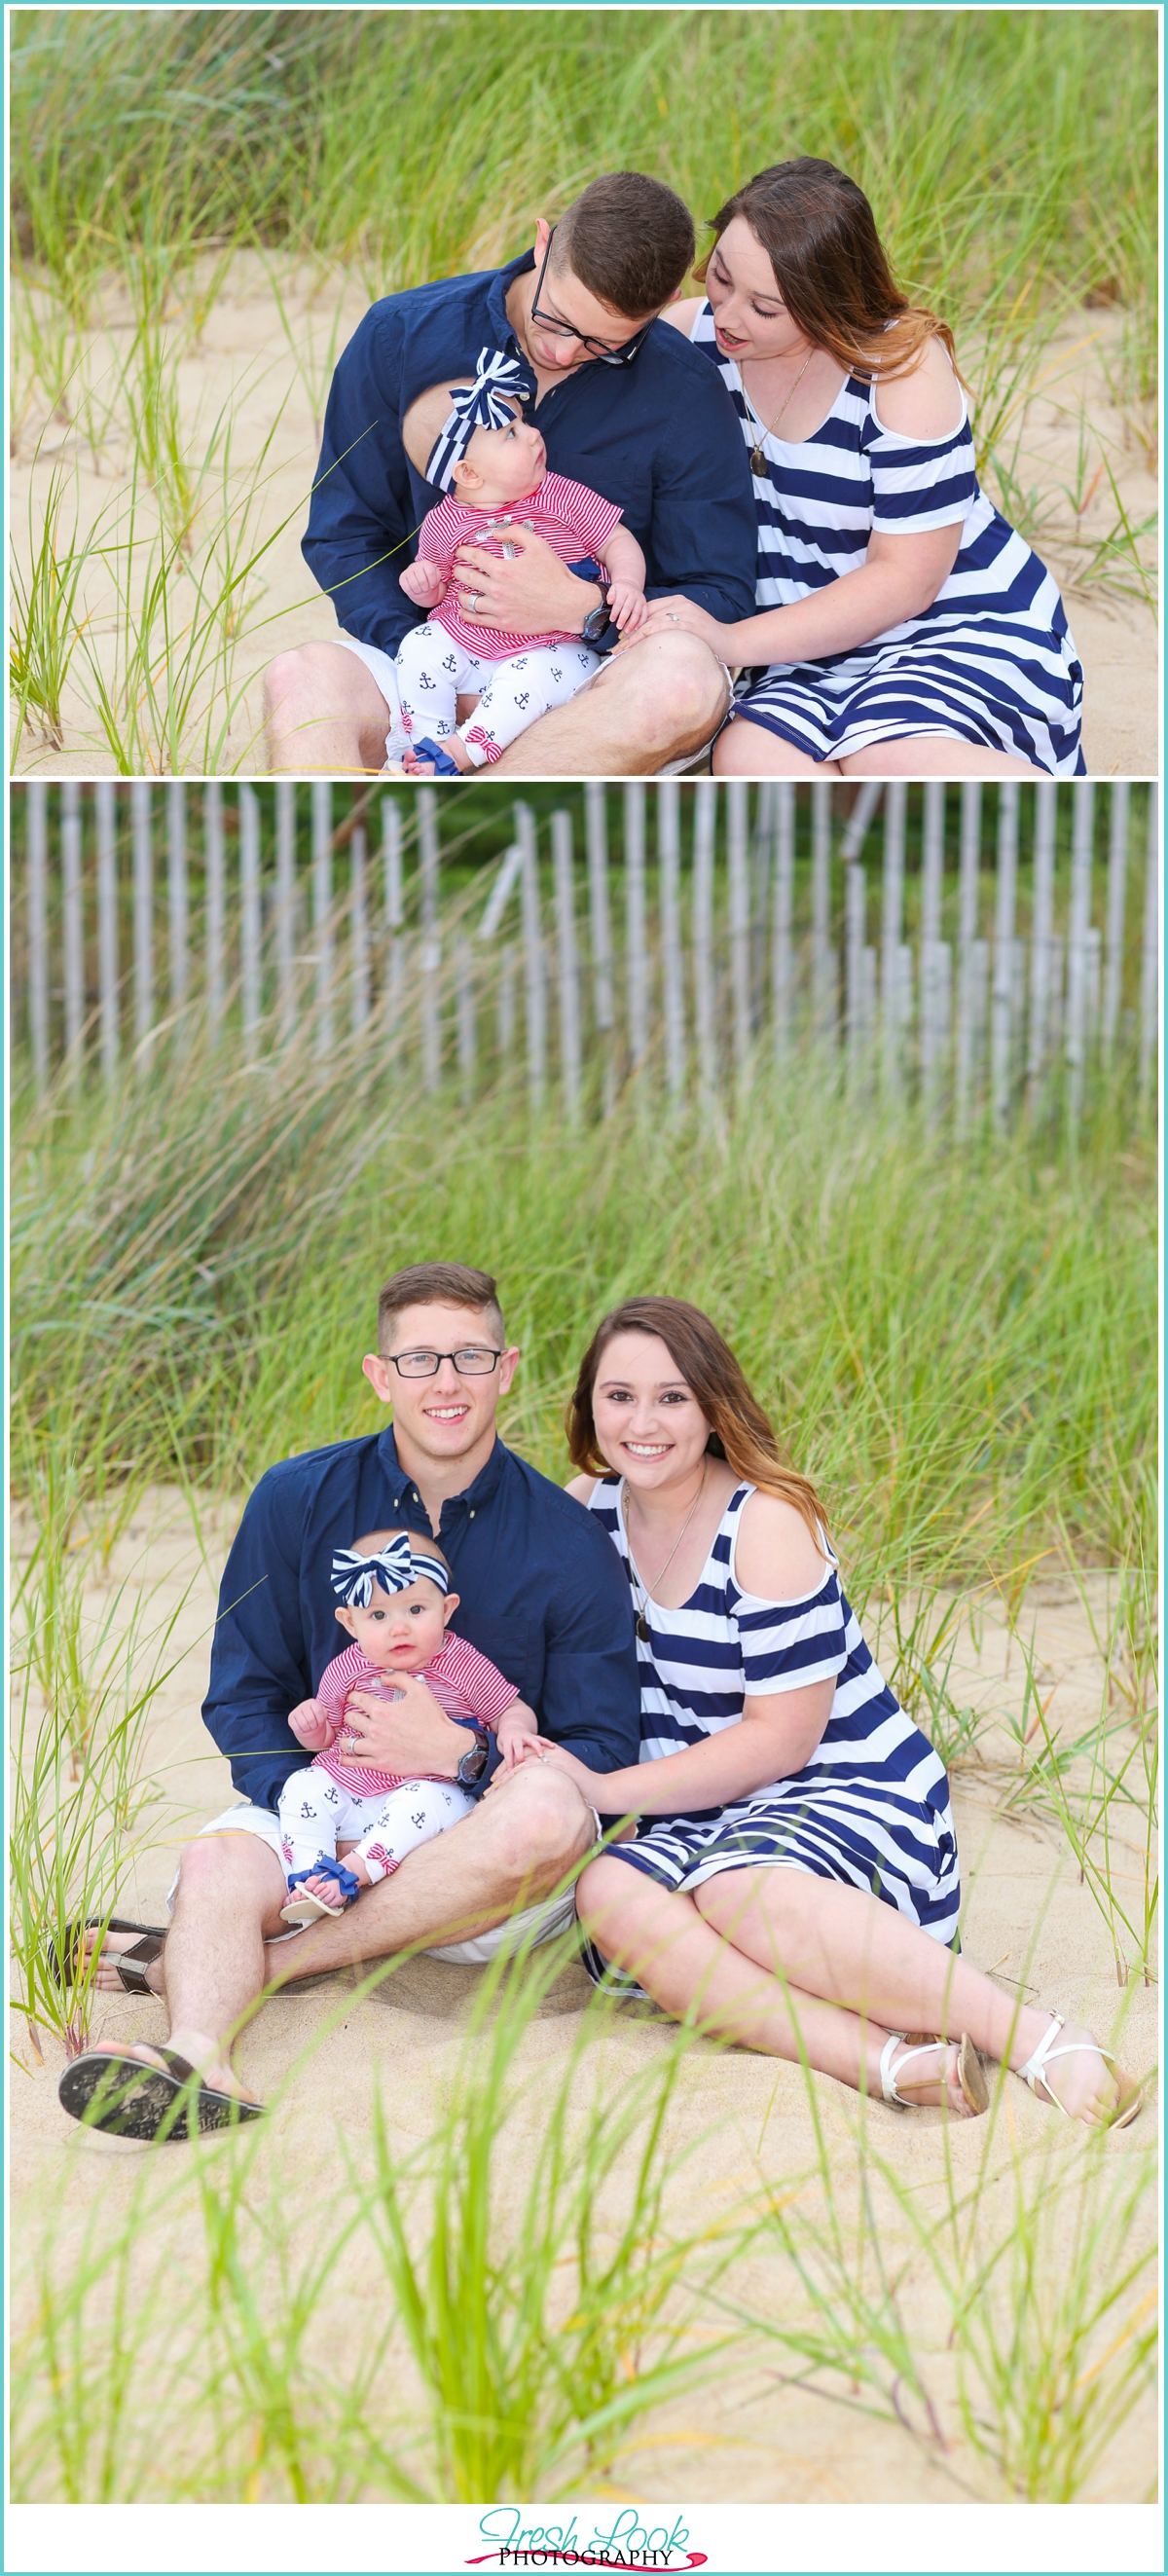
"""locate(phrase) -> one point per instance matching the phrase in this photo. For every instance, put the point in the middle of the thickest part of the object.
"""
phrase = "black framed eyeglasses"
(469, 1363)
(567, 330)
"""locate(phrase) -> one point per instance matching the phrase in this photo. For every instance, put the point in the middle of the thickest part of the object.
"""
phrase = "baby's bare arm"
(626, 565)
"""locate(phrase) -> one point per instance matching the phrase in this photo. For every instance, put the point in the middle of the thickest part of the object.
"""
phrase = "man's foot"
(138, 2091)
(109, 1947)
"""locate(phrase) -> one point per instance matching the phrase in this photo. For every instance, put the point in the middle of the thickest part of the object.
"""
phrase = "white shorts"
(536, 1922)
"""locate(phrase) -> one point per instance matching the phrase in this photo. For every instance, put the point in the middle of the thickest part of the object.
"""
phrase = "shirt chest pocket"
(514, 1646)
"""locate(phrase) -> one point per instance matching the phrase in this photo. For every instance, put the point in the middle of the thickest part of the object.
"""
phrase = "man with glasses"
(625, 406)
(542, 1594)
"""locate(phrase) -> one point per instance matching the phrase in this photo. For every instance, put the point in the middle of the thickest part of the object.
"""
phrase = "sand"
(748, 2438)
(269, 375)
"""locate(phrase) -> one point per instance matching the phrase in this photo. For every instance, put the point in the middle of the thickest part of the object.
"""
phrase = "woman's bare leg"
(694, 1973)
(746, 750)
(935, 756)
(845, 1946)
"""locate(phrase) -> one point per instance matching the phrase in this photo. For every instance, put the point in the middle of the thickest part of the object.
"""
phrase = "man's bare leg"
(513, 1851)
(325, 714)
(654, 703)
(230, 1890)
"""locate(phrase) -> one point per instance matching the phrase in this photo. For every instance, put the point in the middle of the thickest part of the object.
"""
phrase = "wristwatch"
(598, 621)
(473, 1764)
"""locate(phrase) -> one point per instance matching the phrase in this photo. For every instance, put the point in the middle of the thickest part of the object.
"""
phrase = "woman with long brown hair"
(898, 613)
(793, 1882)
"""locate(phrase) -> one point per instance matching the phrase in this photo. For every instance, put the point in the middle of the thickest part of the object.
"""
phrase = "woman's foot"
(935, 2074)
(1068, 2067)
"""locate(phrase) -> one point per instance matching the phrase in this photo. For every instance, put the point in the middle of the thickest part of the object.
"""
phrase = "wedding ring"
(472, 600)
(674, 621)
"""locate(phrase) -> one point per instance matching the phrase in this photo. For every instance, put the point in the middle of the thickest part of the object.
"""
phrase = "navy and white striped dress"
(992, 661)
(870, 1808)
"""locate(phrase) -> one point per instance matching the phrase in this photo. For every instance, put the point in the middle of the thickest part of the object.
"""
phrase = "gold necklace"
(643, 1630)
(756, 454)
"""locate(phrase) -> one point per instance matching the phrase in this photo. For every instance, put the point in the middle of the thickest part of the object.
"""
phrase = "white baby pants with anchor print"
(433, 671)
(316, 1812)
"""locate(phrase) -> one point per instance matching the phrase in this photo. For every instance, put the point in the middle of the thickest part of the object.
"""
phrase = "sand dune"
(749, 2439)
(263, 359)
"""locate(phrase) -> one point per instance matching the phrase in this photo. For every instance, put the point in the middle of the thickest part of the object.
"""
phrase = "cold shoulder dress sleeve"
(871, 1805)
(990, 661)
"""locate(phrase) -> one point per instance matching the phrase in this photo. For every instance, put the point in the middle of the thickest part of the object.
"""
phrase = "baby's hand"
(423, 583)
(517, 1735)
(312, 1726)
(627, 606)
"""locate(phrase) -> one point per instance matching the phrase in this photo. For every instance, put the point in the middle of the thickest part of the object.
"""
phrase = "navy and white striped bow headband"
(483, 405)
(393, 1568)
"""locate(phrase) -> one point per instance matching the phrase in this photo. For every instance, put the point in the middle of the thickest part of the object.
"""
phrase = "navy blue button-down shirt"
(541, 1591)
(659, 437)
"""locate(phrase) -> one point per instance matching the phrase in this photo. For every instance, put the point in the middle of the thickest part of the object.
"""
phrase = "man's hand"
(411, 1733)
(527, 594)
(312, 1726)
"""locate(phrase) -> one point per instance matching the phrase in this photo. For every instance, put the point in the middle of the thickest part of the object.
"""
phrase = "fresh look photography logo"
(512, 2542)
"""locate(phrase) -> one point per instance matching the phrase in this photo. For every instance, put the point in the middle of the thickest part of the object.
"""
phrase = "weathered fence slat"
(705, 815)
(466, 1020)
(322, 911)
(1042, 959)
(600, 939)
(1002, 1029)
(967, 971)
(934, 998)
(38, 937)
(360, 972)
(430, 952)
(738, 888)
(106, 825)
(534, 988)
(142, 831)
(891, 927)
(176, 888)
(250, 915)
(563, 867)
(215, 892)
(285, 915)
(394, 908)
(672, 959)
(1078, 945)
(783, 951)
(1149, 977)
(823, 964)
(1116, 913)
(73, 924)
(636, 938)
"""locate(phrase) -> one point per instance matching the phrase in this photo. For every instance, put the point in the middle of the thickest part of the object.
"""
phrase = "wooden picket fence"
(681, 935)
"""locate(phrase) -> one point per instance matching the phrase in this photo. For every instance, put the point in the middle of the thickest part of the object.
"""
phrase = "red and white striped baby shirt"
(572, 520)
(464, 1683)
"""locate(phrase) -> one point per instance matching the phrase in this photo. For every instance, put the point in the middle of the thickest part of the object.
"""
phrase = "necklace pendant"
(756, 460)
(644, 1631)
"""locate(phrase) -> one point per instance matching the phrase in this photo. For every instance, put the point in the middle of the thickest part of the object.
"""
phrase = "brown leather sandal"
(137, 1959)
(128, 2098)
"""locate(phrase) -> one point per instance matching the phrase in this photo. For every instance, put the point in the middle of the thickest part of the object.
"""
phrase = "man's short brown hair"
(629, 240)
(438, 1283)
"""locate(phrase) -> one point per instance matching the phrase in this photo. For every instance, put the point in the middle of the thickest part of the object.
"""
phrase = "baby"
(493, 465)
(396, 1603)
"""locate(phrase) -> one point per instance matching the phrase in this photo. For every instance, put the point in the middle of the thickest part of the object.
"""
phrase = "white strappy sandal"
(970, 2072)
(1035, 2074)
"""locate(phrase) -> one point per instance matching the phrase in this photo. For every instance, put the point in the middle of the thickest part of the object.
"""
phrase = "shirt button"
(472, 1516)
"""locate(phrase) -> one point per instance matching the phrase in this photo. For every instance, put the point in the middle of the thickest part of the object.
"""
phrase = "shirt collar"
(497, 293)
(485, 1484)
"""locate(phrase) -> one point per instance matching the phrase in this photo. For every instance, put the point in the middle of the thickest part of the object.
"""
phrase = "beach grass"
(1010, 158)
(960, 1347)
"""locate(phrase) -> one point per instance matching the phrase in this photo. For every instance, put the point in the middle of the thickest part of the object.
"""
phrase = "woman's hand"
(683, 616)
(589, 1783)
(410, 1733)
